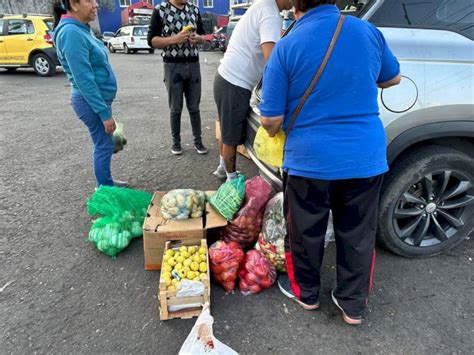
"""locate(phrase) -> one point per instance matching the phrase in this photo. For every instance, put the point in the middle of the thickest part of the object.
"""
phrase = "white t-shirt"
(243, 60)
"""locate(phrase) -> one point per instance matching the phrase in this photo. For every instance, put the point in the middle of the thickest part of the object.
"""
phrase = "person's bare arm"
(267, 48)
(271, 124)
(392, 82)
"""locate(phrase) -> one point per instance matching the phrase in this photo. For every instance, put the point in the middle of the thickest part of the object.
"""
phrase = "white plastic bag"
(201, 339)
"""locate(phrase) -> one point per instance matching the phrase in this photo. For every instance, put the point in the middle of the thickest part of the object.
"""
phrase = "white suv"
(130, 39)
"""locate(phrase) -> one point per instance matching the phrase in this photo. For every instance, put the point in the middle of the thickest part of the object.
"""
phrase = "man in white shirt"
(240, 70)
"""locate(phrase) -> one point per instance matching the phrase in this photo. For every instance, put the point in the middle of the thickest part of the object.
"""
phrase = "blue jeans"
(103, 142)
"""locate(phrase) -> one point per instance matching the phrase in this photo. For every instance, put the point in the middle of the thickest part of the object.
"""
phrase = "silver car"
(427, 200)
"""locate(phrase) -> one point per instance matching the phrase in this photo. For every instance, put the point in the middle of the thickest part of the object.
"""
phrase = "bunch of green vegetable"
(183, 204)
(229, 197)
(122, 213)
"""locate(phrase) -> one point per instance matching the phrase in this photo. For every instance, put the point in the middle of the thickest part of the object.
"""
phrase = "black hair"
(305, 5)
(61, 7)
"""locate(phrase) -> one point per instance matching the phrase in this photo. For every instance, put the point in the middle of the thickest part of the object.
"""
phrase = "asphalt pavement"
(58, 294)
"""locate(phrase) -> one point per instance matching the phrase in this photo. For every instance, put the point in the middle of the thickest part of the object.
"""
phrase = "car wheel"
(111, 48)
(427, 202)
(151, 51)
(126, 49)
(133, 51)
(206, 46)
(43, 65)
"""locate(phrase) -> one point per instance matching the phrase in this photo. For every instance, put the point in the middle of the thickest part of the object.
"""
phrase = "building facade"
(111, 20)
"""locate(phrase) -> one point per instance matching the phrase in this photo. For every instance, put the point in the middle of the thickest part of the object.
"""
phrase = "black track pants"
(354, 204)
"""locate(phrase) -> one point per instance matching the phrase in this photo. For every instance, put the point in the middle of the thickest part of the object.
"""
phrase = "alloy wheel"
(42, 65)
(433, 209)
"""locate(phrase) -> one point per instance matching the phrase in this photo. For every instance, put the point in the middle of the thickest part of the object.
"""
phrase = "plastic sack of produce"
(269, 149)
(256, 273)
(271, 241)
(228, 198)
(183, 204)
(201, 339)
(224, 259)
(122, 213)
(245, 227)
(119, 139)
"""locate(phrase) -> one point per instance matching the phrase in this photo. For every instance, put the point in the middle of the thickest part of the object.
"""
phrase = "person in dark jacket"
(335, 154)
(93, 83)
(175, 27)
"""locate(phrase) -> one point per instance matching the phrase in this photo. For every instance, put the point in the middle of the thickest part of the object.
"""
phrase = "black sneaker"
(285, 288)
(176, 149)
(352, 320)
(118, 183)
(200, 148)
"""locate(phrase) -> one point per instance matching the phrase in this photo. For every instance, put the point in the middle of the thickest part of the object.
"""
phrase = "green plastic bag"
(228, 198)
(122, 213)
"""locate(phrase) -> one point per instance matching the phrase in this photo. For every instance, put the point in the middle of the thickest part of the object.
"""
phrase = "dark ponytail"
(61, 7)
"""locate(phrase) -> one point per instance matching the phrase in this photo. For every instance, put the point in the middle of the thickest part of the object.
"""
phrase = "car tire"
(151, 51)
(426, 204)
(133, 51)
(206, 46)
(111, 48)
(43, 65)
(126, 49)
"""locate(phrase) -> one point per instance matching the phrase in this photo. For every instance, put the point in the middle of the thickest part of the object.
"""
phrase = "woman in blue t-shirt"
(335, 154)
(93, 83)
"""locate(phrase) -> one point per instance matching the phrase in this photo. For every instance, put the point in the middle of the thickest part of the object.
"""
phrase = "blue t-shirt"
(338, 133)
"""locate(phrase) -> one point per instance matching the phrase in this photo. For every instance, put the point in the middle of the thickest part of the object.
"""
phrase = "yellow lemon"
(194, 266)
(166, 257)
(166, 274)
(185, 254)
(171, 288)
(176, 255)
(196, 258)
(191, 250)
(170, 252)
(174, 282)
(186, 268)
(203, 276)
(203, 267)
(187, 262)
(202, 251)
(180, 259)
(203, 257)
(167, 281)
(178, 266)
(190, 275)
(183, 248)
(197, 278)
(171, 261)
(167, 267)
(182, 273)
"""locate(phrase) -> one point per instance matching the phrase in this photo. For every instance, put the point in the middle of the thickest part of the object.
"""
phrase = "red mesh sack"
(256, 273)
(224, 259)
(245, 227)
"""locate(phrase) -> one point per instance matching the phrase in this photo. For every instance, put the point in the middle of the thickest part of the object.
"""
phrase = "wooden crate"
(168, 298)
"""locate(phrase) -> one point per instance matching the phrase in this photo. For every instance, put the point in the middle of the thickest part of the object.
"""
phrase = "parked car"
(130, 39)
(215, 40)
(106, 36)
(25, 42)
(427, 200)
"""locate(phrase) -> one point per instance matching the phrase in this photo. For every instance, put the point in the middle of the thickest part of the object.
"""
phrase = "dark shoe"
(347, 318)
(176, 149)
(285, 288)
(200, 148)
(118, 183)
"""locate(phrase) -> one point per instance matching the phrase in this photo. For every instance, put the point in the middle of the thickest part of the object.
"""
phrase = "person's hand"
(109, 126)
(182, 37)
(195, 38)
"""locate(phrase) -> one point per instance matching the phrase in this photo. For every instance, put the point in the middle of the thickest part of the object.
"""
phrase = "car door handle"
(29, 39)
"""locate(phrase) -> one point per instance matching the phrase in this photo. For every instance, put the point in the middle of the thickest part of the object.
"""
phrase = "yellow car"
(25, 42)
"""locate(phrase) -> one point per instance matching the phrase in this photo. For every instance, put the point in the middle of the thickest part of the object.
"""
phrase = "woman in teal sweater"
(93, 82)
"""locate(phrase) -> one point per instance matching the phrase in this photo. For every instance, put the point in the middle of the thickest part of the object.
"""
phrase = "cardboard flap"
(213, 219)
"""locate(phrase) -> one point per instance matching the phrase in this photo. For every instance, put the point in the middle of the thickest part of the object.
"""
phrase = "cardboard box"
(157, 230)
(188, 307)
(240, 149)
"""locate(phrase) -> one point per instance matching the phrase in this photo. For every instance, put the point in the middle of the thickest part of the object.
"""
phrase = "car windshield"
(353, 7)
(140, 31)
